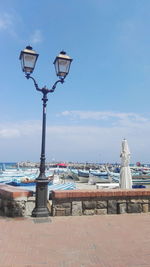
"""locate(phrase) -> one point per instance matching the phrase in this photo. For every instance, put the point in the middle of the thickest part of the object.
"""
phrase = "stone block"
(6, 211)
(101, 204)
(134, 208)
(58, 212)
(17, 208)
(145, 208)
(14, 207)
(121, 201)
(65, 205)
(49, 206)
(112, 207)
(5, 201)
(61, 211)
(68, 212)
(76, 208)
(122, 208)
(89, 204)
(30, 205)
(139, 200)
(101, 211)
(89, 212)
(145, 201)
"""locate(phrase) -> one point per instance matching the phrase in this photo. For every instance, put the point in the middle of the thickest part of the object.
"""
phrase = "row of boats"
(20, 177)
(139, 176)
(26, 179)
(105, 174)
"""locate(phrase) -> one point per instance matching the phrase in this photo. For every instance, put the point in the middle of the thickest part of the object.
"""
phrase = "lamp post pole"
(62, 63)
(41, 209)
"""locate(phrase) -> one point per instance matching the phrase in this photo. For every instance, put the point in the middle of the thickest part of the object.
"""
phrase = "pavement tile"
(103, 241)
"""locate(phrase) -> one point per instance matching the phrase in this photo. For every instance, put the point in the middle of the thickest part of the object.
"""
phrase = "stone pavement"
(98, 241)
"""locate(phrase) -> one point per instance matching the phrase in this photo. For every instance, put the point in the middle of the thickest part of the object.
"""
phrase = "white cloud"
(123, 118)
(6, 21)
(15, 130)
(77, 143)
(88, 142)
(36, 37)
(9, 133)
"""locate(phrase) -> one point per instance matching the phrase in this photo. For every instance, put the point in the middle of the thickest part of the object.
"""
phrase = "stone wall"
(15, 202)
(100, 202)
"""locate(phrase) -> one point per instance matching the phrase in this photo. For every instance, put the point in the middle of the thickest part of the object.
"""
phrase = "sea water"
(8, 165)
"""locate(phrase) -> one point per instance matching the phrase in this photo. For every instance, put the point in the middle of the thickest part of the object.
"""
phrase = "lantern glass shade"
(62, 64)
(28, 59)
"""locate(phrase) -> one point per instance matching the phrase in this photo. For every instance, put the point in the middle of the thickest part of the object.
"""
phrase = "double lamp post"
(62, 62)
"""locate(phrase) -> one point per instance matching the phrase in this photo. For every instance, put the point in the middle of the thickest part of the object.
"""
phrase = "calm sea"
(8, 165)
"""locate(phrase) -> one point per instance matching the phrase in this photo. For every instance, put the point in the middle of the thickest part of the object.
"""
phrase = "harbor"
(79, 175)
(77, 240)
(83, 176)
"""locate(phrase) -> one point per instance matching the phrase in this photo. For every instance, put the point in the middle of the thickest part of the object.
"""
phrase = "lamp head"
(28, 58)
(62, 64)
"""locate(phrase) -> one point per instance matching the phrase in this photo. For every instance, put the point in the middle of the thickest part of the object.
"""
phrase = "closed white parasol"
(125, 172)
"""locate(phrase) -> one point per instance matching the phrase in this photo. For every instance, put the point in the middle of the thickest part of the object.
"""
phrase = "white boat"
(99, 173)
(83, 176)
(107, 186)
(17, 173)
(93, 179)
(83, 179)
(78, 175)
(73, 174)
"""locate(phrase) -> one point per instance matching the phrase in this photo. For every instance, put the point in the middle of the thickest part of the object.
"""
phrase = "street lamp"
(62, 62)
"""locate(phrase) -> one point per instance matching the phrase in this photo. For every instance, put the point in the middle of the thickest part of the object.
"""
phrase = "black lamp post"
(62, 64)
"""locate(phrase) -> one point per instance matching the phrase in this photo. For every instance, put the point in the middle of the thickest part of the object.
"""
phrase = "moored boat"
(83, 176)
(99, 173)
(73, 174)
(28, 181)
(83, 179)
(135, 181)
(93, 179)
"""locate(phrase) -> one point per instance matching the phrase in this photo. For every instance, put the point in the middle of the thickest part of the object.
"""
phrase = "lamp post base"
(40, 212)
(41, 209)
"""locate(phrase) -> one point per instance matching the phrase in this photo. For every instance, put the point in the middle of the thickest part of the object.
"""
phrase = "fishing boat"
(76, 175)
(67, 176)
(18, 183)
(83, 173)
(99, 173)
(83, 176)
(141, 176)
(136, 181)
(17, 173)
(93, 179)
(73, 174)
(28, 181)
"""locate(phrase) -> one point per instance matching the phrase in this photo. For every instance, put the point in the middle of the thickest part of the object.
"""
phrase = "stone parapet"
(15, 202)
(100, 202)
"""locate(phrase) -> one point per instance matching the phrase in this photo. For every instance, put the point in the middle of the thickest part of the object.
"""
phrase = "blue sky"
(106, 96)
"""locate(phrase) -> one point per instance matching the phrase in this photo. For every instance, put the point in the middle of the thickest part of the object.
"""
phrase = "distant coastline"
(75, 165)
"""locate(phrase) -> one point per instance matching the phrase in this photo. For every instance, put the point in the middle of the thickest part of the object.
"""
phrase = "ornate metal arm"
(44, 89)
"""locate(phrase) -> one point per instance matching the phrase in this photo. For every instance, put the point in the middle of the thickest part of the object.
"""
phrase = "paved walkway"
(98, 241)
